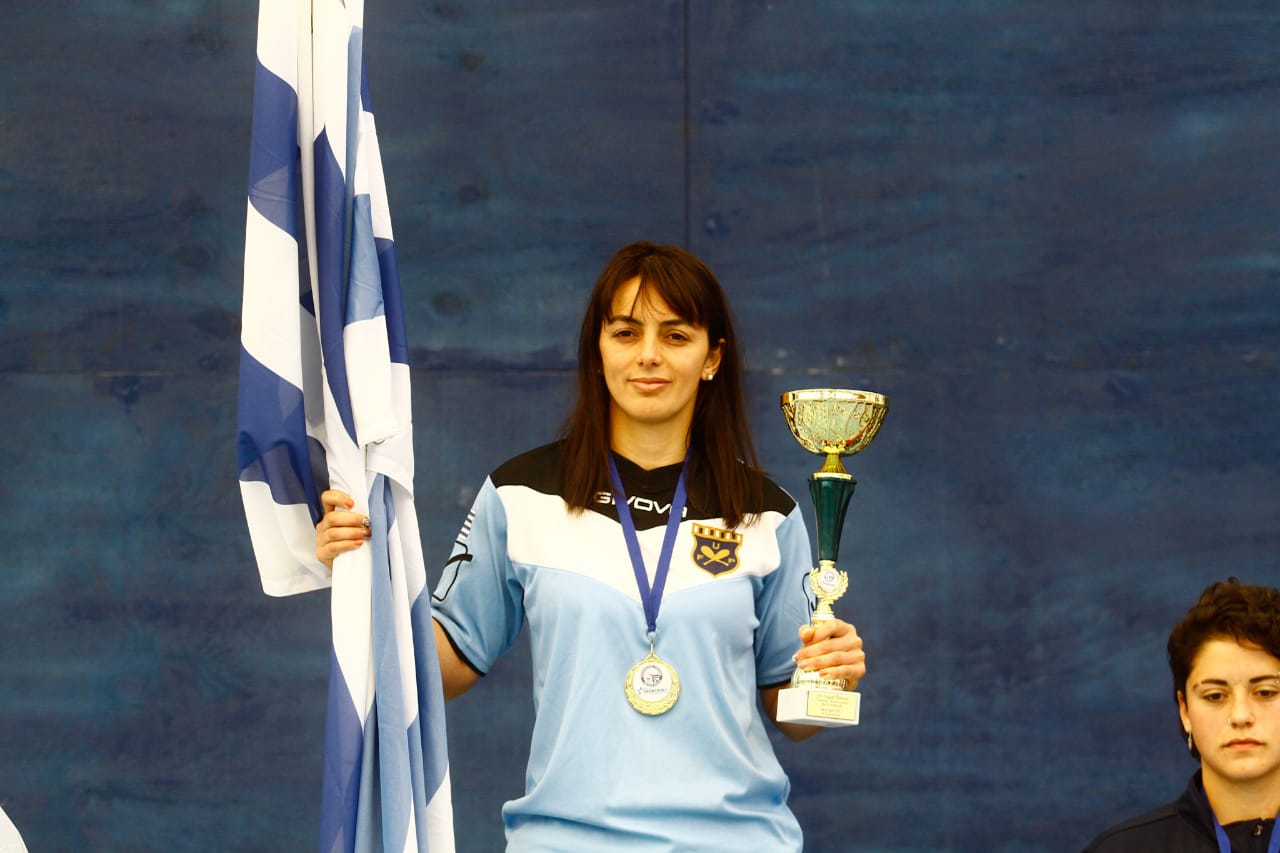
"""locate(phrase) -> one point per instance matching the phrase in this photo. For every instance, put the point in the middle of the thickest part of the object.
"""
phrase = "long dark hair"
(720, 449)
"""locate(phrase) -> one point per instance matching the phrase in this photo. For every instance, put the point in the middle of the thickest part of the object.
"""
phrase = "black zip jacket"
(1183, 826)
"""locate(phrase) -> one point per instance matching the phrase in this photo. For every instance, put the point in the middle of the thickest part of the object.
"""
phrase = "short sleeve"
(783, 604)
(479, 600)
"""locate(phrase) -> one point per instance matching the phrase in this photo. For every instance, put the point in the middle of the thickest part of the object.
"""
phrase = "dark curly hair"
(1226, 610)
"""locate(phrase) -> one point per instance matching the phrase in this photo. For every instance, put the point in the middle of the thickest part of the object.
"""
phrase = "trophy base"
(828, 708)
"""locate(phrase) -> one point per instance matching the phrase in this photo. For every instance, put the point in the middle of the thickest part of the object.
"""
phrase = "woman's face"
(653, 362)
(1231, 706)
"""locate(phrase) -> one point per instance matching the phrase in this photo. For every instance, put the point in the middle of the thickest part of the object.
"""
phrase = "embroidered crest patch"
(715, 550)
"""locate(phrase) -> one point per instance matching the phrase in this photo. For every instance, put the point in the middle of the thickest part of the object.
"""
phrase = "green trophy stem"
(831, 494)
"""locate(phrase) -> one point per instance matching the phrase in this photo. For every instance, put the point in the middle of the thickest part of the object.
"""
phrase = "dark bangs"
(680, 280)
(675, 290)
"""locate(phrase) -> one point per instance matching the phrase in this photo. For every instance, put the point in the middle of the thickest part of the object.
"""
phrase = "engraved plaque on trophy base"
(827, 708)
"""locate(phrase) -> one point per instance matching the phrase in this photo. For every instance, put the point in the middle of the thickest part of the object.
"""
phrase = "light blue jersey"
(602, 776)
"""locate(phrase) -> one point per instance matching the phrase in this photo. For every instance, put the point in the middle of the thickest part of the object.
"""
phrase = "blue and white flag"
(324, 399)
(10, 840)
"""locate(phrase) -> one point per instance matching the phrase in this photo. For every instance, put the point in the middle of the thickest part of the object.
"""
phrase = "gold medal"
(652, 685)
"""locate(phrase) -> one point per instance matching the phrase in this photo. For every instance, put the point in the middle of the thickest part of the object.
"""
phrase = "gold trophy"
(837, 423)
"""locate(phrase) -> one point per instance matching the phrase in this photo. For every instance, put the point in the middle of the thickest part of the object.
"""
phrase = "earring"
(1191, 744)
(709, 375)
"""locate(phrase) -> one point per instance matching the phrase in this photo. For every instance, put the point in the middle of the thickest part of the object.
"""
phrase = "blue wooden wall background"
(1046, 230)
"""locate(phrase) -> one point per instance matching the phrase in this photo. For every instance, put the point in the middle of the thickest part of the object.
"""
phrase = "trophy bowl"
(834, 421)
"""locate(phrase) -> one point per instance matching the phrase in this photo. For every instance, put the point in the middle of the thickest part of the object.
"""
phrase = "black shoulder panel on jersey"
(775, 499)
(540, 469)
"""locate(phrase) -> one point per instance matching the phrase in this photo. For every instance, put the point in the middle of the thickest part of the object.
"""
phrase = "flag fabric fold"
(325, 401)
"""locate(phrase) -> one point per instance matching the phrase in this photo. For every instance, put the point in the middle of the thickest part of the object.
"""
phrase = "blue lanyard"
(1224, 843)
(650, 597)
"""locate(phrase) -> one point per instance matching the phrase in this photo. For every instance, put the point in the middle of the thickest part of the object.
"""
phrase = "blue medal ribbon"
(650, 597)
(1224, 843)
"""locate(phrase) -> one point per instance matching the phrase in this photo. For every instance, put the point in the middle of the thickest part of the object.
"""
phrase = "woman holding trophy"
(662, 578)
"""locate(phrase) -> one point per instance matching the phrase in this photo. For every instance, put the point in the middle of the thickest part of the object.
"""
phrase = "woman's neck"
(1236, 801)
(651, 448)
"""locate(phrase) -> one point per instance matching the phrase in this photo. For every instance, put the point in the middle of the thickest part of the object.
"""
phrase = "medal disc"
(652, 686)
